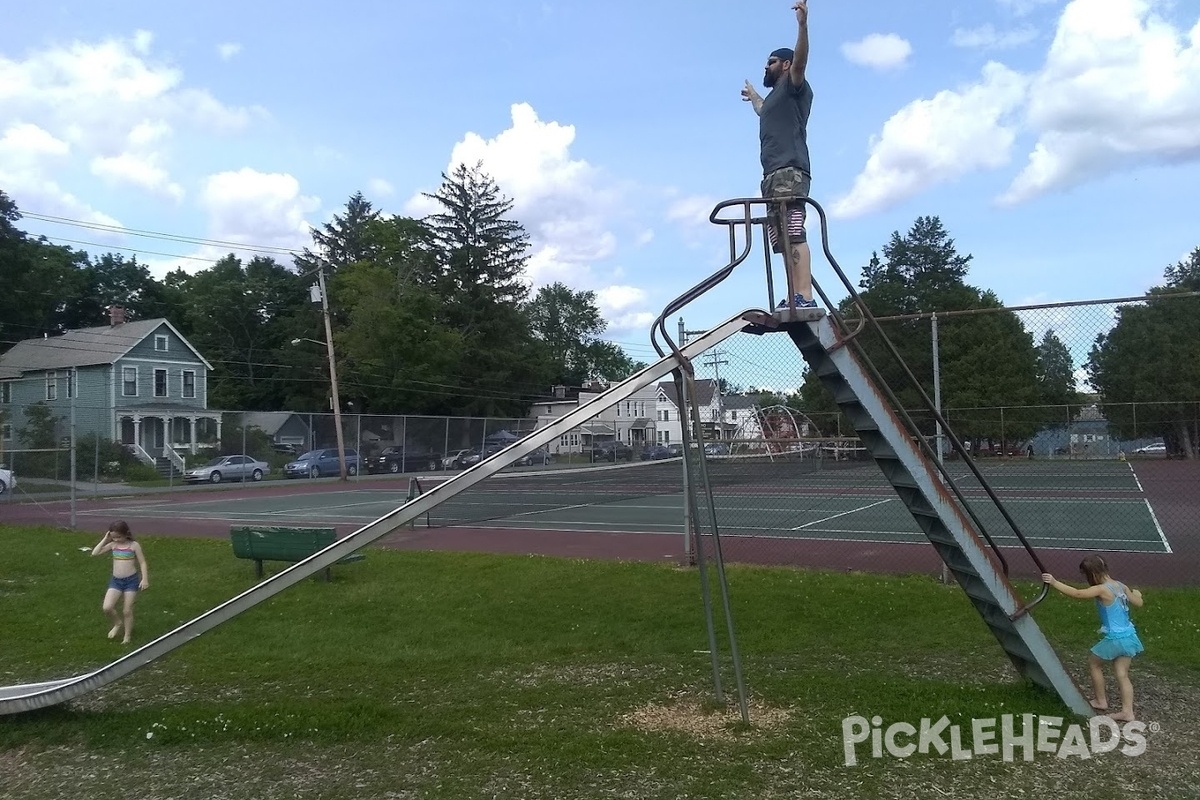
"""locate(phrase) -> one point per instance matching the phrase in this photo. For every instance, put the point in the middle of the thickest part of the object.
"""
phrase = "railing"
(141, 454)
(177, 460)
(747, 221)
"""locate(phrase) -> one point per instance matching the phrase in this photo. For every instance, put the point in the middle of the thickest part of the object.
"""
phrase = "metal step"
(927, 498)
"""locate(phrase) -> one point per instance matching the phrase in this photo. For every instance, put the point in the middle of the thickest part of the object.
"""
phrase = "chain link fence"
(1080, 416)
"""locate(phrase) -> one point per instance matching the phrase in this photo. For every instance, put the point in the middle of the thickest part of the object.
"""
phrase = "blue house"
(139, 383)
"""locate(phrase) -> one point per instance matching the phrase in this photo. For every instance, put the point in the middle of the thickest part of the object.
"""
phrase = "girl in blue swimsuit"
(129, 575)
(1120, 643)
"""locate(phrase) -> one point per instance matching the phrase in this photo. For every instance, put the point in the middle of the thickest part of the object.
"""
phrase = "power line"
(172, 237)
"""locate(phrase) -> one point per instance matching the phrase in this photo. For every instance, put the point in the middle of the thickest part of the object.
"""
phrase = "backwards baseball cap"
(784, 54)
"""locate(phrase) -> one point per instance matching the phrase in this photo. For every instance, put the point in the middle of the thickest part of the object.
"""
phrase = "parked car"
(610, 451)
(673, 450)
(656, 452)
(7, 480)
(228, 468)
(1156, 449)
(539, 456)
(716, 449)
(453, 460)
(473, 457)
(318, 463)
(396, 459)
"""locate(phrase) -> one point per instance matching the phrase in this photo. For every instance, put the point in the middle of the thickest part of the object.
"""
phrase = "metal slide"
(30, 696)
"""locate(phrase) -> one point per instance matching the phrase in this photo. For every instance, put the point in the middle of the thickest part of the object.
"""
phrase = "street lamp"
(333, 380)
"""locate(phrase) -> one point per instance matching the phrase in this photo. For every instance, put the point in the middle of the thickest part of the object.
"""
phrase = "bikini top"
(123, 553)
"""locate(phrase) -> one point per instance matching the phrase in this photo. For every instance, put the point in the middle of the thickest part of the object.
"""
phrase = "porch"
(154, 433)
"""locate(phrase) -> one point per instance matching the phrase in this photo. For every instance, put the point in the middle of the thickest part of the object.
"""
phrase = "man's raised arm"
(800, 58)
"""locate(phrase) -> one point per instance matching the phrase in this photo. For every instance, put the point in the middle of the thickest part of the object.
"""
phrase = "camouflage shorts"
(786, 182)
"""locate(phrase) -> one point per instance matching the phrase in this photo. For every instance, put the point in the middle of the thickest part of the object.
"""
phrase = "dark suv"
(395, 459)
(612, 451)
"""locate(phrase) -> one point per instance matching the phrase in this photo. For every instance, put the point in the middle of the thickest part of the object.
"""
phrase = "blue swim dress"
(1120, 636)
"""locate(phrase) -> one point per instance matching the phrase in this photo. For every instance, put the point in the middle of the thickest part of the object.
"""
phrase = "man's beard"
(769, 80)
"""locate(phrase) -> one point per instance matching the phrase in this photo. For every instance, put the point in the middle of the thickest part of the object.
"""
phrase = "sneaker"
(800, 302)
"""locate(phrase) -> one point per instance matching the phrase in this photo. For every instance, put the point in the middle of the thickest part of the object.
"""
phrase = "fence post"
(73, 387)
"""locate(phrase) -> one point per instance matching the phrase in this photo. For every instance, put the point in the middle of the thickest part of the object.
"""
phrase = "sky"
(1059, 142)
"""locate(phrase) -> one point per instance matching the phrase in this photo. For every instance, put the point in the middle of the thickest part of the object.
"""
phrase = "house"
(140, 383)
(668, 410)
(628, 421)
(286, 429)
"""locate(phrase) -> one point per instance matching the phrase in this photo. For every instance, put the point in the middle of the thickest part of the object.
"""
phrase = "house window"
(733, 415)
(129, 382)
(51, 385)
(160, 383)
(189, 383)
(6, 432)
(5, 392)
(70, 384)
(160, 343)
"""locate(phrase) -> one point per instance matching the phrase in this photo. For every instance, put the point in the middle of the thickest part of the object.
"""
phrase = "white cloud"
(227, 50)
(1024, 7)
(380, 188)
(141, 171)
(256, 208)
(692, 211)
(939, 139)
(142, 41)
(1120, 88)
(882, 51)
(568, 206)
(986, 37)
(28, 156)
(114, 106)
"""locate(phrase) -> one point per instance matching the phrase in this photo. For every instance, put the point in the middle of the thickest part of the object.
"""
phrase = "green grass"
(447, 675)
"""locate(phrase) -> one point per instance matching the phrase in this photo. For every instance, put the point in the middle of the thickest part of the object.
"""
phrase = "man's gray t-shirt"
(783, 126)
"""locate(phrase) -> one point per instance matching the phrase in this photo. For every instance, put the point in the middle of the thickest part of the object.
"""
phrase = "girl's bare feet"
(126, 640)
(1121, 716)
(115, 630)
(1097, 705)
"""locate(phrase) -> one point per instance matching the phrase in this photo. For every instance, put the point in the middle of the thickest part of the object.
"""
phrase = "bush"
(137, 471)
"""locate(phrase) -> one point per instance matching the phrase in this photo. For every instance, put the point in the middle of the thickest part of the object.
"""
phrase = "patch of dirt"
(689, 715)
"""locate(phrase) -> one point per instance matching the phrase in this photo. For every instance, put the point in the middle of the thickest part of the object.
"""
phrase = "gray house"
(139, 383)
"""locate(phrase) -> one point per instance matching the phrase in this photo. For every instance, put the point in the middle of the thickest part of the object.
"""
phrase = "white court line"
(842, 514)
(910, 539)
(1161, 533)
(1153, 517)
(1135, 478)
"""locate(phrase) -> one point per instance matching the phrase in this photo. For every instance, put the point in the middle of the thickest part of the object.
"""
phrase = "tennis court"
(1057, 505)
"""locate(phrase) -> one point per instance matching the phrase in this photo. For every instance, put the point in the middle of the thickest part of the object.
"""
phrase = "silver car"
(7, 480)
(226, 468)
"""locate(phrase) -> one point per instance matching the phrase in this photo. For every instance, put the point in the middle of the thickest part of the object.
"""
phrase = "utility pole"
(683, 340)
(715, 362)
(333, 380)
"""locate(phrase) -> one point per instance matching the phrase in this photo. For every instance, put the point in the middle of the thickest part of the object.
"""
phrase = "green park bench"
(265, 543)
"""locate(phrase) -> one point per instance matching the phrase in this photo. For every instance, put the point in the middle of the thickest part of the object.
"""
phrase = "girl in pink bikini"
(129, 576)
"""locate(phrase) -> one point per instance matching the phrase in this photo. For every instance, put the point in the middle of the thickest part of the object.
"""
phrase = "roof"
(85, 347)
(704, 391)
(269, 422)
(738, 401)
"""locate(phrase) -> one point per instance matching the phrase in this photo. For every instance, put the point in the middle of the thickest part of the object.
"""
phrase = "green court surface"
(1056, 506)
